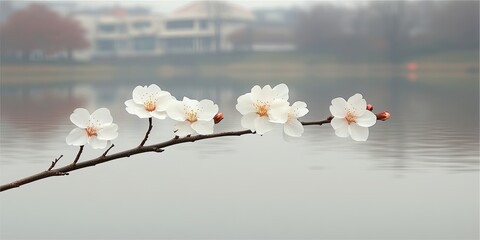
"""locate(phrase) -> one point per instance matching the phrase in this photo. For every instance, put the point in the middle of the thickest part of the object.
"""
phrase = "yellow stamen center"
(91, 131)
(262, 110)
(191, 117)
(150, 106)
(351, 118)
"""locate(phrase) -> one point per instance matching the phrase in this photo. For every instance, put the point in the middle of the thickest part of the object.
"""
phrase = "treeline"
(387, 30)
(39, 32)
(395, 29)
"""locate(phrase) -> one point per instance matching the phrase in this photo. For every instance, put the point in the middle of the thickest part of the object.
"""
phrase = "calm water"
(415, 178)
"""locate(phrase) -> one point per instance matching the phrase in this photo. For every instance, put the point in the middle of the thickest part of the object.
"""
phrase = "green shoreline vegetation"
(456, 65)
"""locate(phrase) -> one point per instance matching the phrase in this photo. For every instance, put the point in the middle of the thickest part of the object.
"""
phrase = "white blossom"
(149, 102)
(292, 126)
(351, 118)
(96, 129)
(193, 116)
(263, 107)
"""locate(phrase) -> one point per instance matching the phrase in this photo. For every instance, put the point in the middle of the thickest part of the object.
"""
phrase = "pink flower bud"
(369, 107)
(383, 116)
(218, 117)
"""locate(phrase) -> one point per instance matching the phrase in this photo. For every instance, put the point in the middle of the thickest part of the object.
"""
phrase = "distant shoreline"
(250, 67)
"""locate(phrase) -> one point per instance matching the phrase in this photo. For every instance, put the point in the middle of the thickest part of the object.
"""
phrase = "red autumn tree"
(37, 28)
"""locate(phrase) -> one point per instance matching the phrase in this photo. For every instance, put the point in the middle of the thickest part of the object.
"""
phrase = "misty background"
(415, 178)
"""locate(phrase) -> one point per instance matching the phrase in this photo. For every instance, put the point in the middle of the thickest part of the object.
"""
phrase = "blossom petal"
(266, 94)
(368, 119)
(158, 114)
(183, 129)
(101, 117)
(338, 123)
(293, 128)
(190, 104)
(207, 110)
(136, 109)
(255, 92)
(108, 132)
(342, 131)
(77, 137)
(278, 112)
(263, 125)
(338, 107)
(357, 106)
(139, 111)
(356, 97)
(357, 132)
(154, 88)
(138, 93)
(176, 111)
(299, 109)
(203, 127)
(163, 100)
(245, 104)
(131, 103)
(281, 91)
(248, 121)
(97, 143)
(80, 117)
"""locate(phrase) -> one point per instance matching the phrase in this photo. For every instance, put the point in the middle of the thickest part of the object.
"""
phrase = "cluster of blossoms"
(262, 109)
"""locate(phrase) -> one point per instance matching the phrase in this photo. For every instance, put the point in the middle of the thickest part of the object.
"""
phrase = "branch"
(105, 153)
(150, 126)
(142, 149)
(78, 155)
(320, 123)
(54, 162)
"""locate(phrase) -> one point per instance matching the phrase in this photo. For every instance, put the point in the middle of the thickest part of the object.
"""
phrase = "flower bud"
(218, 117)
(383, 116)
(369, 107)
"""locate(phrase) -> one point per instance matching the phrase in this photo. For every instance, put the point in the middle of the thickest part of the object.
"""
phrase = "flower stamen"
(262, 110)
(91, 131)
(150, 106)
(351, 118)
(191, 116)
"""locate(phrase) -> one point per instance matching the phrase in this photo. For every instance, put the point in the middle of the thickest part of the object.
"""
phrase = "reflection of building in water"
(201, 26)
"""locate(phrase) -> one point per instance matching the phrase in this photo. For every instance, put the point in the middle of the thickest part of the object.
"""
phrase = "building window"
(106, 28)
(180, 24)
(144, 43)
(141, 25)
(203, 24)
(179, 44)
(105, 45)
(122, 28)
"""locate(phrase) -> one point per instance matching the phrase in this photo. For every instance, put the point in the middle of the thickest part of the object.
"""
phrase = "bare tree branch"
(54, 162)
(159, 147)
(150, 126)
(78, 155)
(105, 153)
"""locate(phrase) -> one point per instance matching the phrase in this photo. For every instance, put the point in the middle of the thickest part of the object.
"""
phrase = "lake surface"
(417, 176)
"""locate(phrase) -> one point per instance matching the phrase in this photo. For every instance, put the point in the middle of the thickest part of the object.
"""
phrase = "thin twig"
(134, 151)
(54, 162)
(150, 126)
(78, 155)
(320, 123)
(105, 153)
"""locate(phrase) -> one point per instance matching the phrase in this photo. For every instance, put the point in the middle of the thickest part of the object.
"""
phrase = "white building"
(201, 26)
